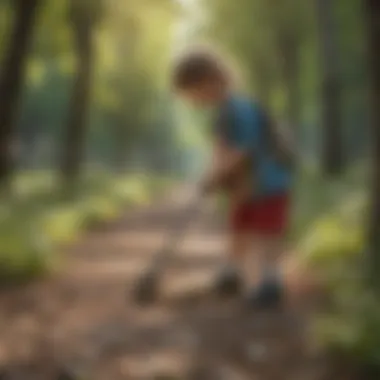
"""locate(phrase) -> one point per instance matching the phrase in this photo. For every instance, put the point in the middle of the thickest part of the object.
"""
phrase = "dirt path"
(84, 318)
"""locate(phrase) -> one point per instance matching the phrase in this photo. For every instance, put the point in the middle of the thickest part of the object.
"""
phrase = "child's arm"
(233, 162)
(227, 162)
(219, 151)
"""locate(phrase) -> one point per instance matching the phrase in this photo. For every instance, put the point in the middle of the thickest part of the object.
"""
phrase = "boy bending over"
(248, 168)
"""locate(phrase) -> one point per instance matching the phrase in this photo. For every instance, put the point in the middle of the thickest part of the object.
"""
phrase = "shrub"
(37, 220)
(334, 249)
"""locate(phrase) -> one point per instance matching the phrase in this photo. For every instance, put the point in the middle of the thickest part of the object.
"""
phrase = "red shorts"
(268, 215)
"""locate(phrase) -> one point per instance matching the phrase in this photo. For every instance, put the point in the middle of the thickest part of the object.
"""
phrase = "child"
(256, 182)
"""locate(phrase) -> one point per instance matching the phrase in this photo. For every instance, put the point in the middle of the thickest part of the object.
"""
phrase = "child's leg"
(270, 255)
(269, 291)
(239, 242)
(270, 224)
(229, 280)
(238, 247)
(240, 236)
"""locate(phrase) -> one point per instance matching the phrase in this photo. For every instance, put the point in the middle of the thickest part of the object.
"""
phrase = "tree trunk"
(11, 81)
(74, 140)
(288, 46)
(332, 154)
(373, 25)
(262, 82)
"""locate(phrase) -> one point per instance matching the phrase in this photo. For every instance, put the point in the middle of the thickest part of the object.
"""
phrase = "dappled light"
(189, 189)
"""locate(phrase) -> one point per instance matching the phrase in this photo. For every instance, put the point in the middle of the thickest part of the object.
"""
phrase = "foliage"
(334, 250)
(130, 128)
(37, 222)
(129, 100)
(277, 47)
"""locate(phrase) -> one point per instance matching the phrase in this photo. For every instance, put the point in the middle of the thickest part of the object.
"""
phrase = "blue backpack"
(275, 141)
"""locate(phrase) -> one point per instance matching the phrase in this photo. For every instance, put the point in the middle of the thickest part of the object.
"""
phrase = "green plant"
(38, 220)
(333, 248)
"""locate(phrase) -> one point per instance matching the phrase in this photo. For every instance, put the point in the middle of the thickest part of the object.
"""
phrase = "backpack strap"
(277, 142)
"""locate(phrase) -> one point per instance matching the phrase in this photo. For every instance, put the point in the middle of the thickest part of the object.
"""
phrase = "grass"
(37, 220)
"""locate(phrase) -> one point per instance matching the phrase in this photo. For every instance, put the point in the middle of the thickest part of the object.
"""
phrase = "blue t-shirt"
(241, 124)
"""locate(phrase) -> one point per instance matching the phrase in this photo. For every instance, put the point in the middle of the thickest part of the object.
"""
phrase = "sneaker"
(269, 295)
(228, 283)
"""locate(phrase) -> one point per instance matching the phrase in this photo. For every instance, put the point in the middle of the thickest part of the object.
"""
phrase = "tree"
(12, 78)
(332, 157)
(289, 25)
(372, 8)
(135, 34)
(84, 15)
(266, 38)
(250, 41)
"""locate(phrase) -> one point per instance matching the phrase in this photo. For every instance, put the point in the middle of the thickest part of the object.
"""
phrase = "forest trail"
(84, 318)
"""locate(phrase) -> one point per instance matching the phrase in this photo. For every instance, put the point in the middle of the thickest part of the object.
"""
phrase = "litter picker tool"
(146, 290)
